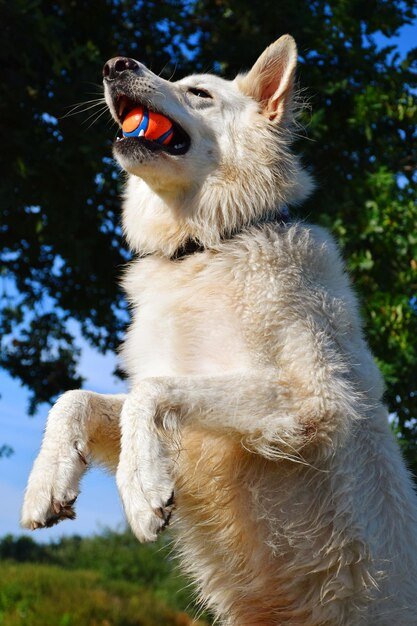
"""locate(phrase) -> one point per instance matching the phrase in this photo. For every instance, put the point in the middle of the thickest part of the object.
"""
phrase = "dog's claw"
(171, 500)
(165, 523)
(164, 513)
(166, 520)
(59, 510)
(65, 512)
(167, 508)
(35, 525)
(57, 506)
(160, 513)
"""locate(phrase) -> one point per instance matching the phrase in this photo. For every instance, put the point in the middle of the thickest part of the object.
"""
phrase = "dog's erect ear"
(271, 79)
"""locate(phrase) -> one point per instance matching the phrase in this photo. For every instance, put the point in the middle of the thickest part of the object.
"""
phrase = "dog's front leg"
(261, 409)
(145, 475)
(82, 426)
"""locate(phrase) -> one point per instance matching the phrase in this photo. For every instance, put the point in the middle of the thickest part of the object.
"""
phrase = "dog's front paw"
(145, 475)
(53, 487)
(42, 509)
(148, 501)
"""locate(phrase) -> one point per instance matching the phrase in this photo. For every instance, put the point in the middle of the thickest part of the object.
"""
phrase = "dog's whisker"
(112, 122)
(173, 71)
(80, 112)
(76, 110)
(159, 74)
(78, 104)
(91, 84)
(96, 118)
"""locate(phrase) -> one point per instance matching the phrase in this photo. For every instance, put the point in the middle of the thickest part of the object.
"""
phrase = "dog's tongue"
(140, 122)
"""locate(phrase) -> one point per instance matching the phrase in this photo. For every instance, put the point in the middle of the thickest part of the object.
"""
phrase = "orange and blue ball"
(148, 124)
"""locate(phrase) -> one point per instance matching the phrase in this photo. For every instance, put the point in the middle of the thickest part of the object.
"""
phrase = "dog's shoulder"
(297, 254)
(292, 273)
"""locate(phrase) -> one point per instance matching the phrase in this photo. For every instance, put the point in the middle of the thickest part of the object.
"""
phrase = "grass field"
(106, 580)
(46, 595)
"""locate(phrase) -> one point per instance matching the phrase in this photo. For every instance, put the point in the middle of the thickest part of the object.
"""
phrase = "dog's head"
(229, 161)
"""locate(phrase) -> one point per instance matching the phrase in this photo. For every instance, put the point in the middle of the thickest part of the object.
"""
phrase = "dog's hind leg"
(82, 428)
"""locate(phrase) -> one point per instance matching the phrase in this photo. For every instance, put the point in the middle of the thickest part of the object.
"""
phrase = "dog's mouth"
(179, 141)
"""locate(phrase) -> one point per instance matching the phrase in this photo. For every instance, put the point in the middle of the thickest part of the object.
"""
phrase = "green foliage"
(60, 238)
(116, 556)
(116, 577)
(59, 195)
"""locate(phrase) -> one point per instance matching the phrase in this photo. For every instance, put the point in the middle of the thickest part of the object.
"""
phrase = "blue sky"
(405, 40)
(98, 504)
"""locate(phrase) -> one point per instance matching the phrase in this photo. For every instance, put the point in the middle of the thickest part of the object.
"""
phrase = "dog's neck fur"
(192, 246)
(163, 221)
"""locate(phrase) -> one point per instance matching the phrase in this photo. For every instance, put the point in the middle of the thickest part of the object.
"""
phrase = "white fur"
(253, 393)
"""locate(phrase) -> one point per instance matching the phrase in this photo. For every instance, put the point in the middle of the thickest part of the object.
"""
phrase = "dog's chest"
(186, 321)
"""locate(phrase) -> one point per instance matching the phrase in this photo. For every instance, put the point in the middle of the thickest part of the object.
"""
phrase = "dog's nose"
(114, 67)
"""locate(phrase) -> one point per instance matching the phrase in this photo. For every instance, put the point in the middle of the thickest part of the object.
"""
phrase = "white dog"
(254, 415)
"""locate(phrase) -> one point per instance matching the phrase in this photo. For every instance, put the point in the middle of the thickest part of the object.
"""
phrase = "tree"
(60, 238)
(359, 142)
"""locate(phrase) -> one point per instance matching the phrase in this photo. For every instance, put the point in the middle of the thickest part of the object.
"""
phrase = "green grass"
(48, 595)
(109, 579)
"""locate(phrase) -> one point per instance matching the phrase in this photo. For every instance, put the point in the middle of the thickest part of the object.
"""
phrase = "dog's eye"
(201, 93)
